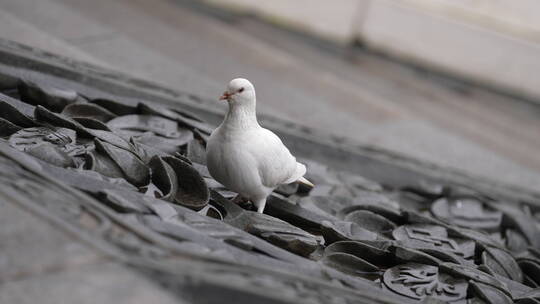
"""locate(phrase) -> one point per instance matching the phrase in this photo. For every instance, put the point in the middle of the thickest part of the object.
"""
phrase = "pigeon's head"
(239, 91)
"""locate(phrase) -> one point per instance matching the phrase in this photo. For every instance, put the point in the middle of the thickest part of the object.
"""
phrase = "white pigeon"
(245, 157)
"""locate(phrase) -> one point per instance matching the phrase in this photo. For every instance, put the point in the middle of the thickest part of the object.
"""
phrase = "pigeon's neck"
(241, 117)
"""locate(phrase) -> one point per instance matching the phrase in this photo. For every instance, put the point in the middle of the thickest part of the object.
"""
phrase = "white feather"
(245, 157)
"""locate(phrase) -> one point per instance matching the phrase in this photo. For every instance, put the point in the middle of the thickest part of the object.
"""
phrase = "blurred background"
(452, 82)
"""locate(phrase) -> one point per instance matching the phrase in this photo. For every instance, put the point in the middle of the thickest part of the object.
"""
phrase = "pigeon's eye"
(241, 90)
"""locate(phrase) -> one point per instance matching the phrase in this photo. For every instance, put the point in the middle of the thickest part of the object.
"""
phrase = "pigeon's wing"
(276, 164)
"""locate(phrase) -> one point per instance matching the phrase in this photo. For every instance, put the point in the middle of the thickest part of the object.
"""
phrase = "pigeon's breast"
(234, 166)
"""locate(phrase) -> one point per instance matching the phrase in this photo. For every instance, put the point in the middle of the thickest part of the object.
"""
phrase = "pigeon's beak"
(226, 95)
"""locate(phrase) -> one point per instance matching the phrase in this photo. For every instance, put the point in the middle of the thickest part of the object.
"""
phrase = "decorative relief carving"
(341, 243)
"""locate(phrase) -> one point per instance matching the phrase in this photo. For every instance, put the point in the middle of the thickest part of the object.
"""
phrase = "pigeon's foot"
(238, 199)
(243, 202)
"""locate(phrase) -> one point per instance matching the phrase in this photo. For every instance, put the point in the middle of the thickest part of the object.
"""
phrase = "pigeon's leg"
(260, 203)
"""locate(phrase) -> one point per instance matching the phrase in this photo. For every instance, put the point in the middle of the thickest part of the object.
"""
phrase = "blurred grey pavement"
(41, 263)
(349, 92)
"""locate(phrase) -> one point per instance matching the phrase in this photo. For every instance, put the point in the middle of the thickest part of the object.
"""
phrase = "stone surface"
(350, 239)
(97, 283)
(30, 246)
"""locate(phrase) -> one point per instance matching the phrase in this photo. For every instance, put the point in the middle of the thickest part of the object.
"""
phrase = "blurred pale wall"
(491, 41)
(518, 16)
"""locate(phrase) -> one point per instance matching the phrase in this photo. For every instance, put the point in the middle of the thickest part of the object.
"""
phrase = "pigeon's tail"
(297, 174)
(302, 180)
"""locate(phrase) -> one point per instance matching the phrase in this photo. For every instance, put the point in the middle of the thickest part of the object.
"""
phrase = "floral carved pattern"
(419, 281)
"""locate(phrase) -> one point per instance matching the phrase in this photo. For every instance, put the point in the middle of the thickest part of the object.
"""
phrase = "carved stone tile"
(334, 231)
(62, 138)
(88, 110)
(48, 96)
(418, 281)
(473, 274)
(467, 212)
(502, 263)
(433, 237)
(489, 294)
(279, 233)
